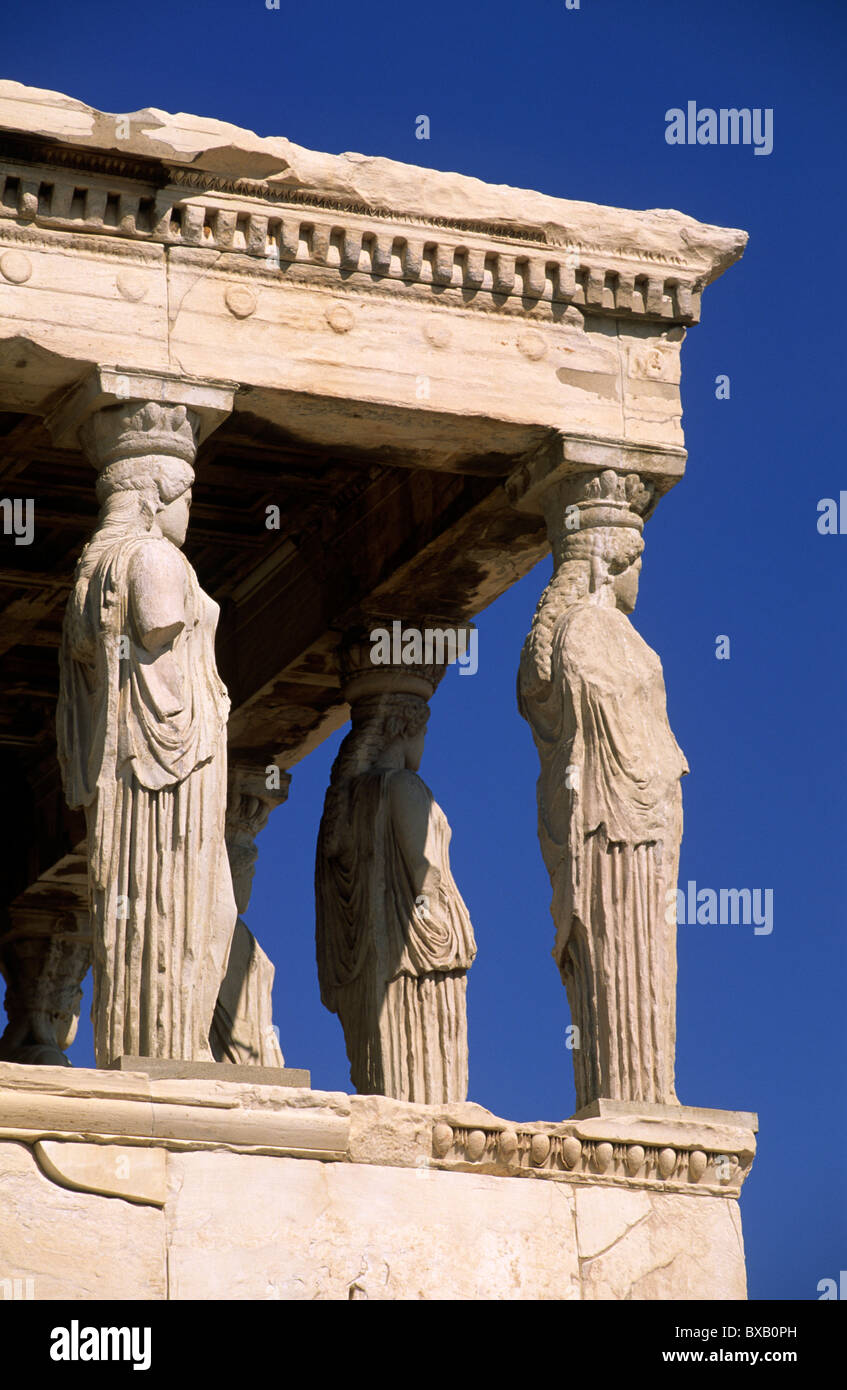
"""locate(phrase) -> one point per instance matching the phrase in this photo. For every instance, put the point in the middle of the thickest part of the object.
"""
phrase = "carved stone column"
(141, 720)
(394, 938)
(242, 1030)
(609, 799)
(45, 934)
(44, 957)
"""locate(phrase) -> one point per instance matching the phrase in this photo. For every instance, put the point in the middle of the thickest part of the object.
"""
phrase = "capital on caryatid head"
(584, 485)
(362, 676)
(118, 434)
(250, 801)
(583, 502)
(118, 415)
(594, 515)
(383, 656)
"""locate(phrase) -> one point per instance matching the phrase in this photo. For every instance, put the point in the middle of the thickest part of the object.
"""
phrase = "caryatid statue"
(609, 796)
(242, 1030)
(141, 726)
(394, 938)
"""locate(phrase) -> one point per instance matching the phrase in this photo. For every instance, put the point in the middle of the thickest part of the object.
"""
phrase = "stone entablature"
(171, 242)
(484, 267)
(208, 181)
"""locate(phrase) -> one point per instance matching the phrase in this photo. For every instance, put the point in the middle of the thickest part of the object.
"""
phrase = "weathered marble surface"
(163, 1069)
(255, 1227)
(133, 1107)
(291, 1230)
(75, 1245)
(634, 1245)
(136, 1173)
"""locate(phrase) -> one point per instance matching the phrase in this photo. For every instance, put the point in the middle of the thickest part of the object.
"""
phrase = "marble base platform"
(165, 1070)
(124, 1185)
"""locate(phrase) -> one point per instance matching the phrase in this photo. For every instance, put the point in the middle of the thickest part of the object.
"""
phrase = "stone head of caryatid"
(389, 711)
(595, 524)
(144, 452)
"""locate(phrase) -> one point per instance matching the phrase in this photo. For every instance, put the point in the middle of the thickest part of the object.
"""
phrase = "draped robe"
(610, 825)
(394, 941)
(142, 745)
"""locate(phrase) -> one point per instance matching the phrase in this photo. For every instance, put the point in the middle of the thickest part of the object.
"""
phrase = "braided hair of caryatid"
(591, 560)
(131, 494)
(378, 720)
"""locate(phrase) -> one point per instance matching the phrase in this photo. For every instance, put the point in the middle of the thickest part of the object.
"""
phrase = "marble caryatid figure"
(394, 938)
(609, 796)
(242, 1028)
(141, 727)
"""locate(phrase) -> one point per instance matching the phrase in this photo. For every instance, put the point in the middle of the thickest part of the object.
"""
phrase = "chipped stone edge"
(386, 218)
(203, 148)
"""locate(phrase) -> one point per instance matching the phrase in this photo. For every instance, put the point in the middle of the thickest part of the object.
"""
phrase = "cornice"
(276, 230)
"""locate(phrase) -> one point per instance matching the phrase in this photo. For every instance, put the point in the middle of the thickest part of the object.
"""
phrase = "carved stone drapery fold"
(242, 1029)
(44, 956)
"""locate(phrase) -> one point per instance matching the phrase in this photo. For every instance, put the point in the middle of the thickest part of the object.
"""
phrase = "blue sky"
(572, 102)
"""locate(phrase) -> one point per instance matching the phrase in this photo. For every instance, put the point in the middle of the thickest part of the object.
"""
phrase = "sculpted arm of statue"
(157, 586)
(411, 807)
